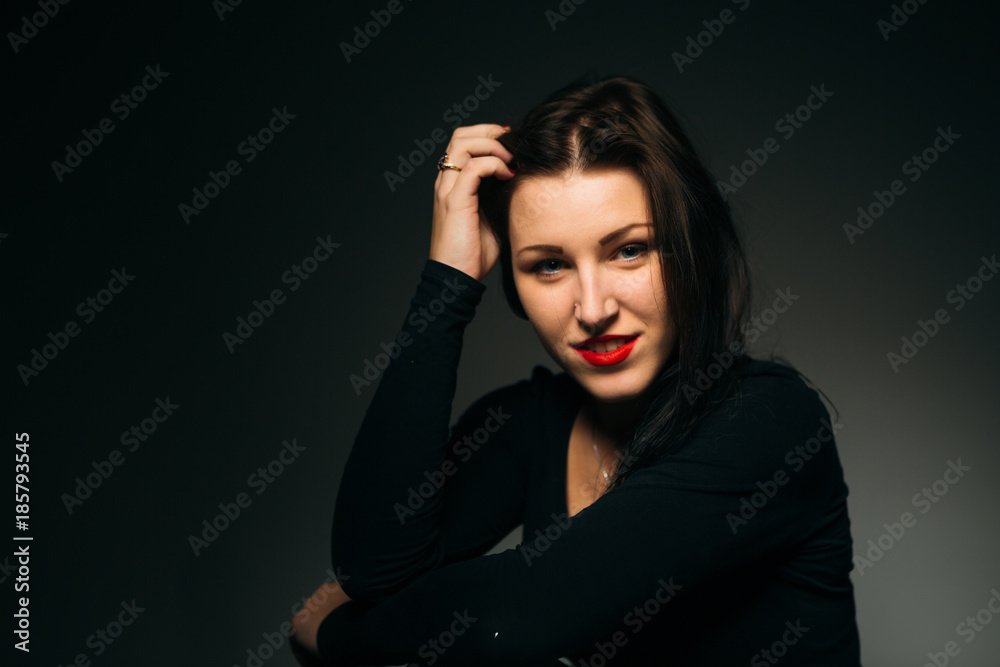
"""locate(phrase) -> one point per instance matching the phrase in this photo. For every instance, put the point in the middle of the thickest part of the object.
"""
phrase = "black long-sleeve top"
(734, 550)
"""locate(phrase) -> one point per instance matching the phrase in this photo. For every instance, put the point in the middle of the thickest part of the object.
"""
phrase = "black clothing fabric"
(734, 550)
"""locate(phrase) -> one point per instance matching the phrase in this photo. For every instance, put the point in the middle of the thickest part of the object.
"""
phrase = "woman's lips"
(607, 358)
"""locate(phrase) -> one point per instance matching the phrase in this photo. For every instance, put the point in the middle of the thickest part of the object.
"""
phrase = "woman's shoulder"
(769, 409)
(766, 382)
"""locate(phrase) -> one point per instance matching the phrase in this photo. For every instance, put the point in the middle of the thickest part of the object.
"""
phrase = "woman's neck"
(616, 421)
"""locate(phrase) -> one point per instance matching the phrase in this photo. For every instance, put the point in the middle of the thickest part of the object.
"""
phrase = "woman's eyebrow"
(603, 241)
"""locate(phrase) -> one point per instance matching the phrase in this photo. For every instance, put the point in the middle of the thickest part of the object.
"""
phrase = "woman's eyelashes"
(631, 252)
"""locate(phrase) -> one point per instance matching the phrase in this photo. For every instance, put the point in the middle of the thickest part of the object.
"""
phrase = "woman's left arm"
(667, 530)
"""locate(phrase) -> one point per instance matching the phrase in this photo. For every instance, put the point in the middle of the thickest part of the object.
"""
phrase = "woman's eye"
(640, 247)
(630, 253)
(546, 264)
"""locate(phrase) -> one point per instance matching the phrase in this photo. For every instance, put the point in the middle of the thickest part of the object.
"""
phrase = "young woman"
(682, 503)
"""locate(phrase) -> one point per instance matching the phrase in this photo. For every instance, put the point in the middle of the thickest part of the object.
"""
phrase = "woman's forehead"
(587, 202)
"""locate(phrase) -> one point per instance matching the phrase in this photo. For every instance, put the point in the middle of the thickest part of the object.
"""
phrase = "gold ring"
(444, 164)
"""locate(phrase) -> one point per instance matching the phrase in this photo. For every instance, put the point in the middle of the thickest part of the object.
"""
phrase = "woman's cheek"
(634, 289)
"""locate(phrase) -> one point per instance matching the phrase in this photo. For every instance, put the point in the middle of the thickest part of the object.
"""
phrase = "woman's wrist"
(452, 285)
(468, 270)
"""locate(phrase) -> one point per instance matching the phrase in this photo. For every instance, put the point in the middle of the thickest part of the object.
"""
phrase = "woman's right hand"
(460, 236)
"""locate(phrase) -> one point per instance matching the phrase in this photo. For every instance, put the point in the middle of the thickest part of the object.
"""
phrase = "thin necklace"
(599, 461)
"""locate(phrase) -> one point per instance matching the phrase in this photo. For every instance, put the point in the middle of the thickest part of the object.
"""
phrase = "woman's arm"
(416, 494)
(669, 531)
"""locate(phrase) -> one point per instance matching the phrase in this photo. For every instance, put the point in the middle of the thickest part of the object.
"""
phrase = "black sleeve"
(670, 529)
(414, 495)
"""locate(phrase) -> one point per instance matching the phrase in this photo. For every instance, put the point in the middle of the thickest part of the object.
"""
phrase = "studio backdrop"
(216, 213)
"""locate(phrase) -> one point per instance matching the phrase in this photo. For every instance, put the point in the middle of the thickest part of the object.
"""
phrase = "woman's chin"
(611, 386)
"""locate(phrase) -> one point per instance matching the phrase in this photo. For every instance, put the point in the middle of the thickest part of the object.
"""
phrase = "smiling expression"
(585, 267)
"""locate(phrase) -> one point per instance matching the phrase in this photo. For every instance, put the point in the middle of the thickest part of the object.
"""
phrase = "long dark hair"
(619, 121)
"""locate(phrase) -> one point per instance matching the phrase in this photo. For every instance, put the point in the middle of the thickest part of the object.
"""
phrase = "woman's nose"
(596, 304)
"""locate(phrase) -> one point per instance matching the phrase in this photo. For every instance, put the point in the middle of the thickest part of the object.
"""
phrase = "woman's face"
(598, 274)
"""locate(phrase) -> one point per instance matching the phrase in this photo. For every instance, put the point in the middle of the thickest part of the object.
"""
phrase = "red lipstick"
(606, 358)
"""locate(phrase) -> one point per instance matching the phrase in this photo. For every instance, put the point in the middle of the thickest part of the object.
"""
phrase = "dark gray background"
(324, 175)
